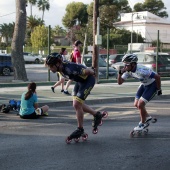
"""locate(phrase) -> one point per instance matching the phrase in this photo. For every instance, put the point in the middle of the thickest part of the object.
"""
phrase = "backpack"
(15, 105)
(71, 57)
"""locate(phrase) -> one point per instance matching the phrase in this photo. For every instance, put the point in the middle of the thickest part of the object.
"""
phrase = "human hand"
(94, 70)
(159, 92)
(121, 71)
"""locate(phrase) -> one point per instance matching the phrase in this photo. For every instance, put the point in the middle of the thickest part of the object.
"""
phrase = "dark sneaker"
(97, 120)
(66, 92)
(62, 91)
(77, 133)
(52, 88)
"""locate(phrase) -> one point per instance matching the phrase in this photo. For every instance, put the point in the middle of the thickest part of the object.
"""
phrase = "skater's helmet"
(53, 58)
(130, 58)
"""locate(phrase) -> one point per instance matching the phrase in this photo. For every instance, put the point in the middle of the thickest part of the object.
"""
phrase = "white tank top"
(142, 73)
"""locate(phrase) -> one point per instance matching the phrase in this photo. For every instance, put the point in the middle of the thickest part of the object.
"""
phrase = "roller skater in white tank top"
(149, 87)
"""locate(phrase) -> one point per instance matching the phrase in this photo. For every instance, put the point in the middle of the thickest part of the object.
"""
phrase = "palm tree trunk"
(18, 41)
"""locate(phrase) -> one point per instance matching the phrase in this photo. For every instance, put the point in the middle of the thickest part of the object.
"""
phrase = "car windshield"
(164, 59)
(112, 56)
(88, 62)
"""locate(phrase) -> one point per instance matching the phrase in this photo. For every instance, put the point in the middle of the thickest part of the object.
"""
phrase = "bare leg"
(79, 112)
(59, 82)
(140, 104)
(45, 108)
(88, 109)
(68, 84)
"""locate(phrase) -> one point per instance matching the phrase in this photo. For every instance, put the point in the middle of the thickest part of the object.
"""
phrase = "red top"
(76, 54)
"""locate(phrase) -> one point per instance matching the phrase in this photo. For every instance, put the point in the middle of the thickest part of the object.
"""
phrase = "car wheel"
(6, 71)
(37, 61)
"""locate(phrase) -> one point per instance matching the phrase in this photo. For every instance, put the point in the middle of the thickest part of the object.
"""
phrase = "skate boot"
(148, 119)
(79, 132)
(97, 121)
(141, 128)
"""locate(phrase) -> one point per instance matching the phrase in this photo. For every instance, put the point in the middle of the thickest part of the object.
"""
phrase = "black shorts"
(82, 89)
(31, 116)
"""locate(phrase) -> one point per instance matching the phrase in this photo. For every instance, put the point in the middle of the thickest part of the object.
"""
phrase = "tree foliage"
(31, 2)
(76, 14)
(121, 37)
(32, 22)
(6, 30)
(59, 31)
(39, 37)
(156, 7)
(43, 5)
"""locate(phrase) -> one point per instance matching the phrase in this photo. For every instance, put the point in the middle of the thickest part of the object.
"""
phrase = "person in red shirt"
(76, 57)
(76, 53)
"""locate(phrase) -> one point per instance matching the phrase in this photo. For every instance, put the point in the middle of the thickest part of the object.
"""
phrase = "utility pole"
(95, 47)
(49, 49)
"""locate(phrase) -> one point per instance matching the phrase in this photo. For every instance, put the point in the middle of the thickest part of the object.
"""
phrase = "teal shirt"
(27, 106)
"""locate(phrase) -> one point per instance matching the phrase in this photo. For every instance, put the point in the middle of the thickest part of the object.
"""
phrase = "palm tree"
(32, 2)
(6, 30)
(59, 31)
(33, 21)
(43, 5)
(18, 41)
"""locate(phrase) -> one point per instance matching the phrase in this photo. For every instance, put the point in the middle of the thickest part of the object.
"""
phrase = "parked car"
(31, 58)
(114, 58)
(87, 60)
(5, 64)
(149, 60)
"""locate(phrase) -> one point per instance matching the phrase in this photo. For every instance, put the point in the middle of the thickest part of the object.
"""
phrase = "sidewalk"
(101, 93)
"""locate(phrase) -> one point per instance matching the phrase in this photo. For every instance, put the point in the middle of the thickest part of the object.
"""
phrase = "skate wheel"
(139, 132)
(132, 133)
(68, 140)
(84, 137)
(105, 114)
(154, 120)
(94, 131)
(76, 139)
(146, 131)
(101, 123)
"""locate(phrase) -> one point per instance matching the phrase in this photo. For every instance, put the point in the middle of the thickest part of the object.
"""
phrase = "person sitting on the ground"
(29, 104)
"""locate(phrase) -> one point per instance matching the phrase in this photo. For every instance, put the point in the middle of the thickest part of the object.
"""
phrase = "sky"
(54, 16)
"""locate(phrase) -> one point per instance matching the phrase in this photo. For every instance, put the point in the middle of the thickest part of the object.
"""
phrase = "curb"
(101, 101)
(48, 83)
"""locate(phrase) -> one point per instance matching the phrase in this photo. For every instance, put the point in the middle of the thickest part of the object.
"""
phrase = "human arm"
(158, 84)
(35, 105)
(35, 101)
(89, 71)
(120, 80)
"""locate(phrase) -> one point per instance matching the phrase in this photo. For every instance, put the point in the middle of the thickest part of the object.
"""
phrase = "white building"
(146, 24)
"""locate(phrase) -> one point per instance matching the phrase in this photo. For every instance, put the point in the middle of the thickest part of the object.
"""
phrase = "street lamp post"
(131, 44)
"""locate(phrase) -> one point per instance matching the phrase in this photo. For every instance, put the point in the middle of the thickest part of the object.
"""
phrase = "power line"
(7, 14)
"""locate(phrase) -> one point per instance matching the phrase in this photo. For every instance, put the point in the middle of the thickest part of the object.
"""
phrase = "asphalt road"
(40, 144)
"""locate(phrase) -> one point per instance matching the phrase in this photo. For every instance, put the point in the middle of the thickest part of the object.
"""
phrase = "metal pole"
(157, 52)
(131, 36)
(108, 33)
(49, 50)
(84, 47)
